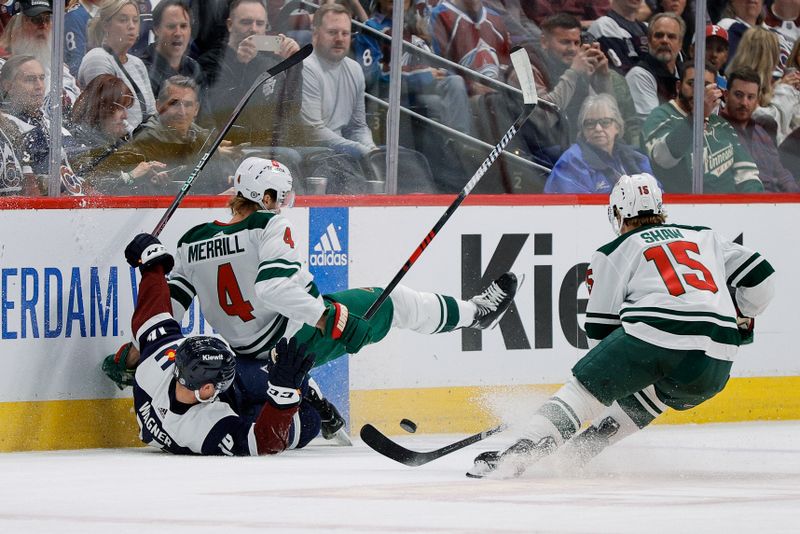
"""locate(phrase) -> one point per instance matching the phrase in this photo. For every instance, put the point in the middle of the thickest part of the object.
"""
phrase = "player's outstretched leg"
(332, 421)
(493, 302)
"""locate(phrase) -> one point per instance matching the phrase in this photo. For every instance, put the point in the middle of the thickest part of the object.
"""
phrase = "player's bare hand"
(711, 99)
(288, 46)
(246, 51)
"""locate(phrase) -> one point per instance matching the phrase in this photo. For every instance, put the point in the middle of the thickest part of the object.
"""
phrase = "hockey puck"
(408, 425)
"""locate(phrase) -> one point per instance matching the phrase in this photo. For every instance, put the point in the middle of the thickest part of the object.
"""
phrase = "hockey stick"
(522, 67)
(385, 446)
(287, 63)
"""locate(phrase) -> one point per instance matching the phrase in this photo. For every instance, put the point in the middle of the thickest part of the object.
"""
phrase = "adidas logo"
(162, 411)
(329, 250)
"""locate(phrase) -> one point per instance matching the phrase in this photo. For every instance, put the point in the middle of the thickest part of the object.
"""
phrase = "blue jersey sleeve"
(231, 436)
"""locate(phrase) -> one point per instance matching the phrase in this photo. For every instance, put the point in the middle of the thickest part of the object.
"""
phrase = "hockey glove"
(349, 329)
(745, 324)
(146, 251)
(287, 373)
(115, 368)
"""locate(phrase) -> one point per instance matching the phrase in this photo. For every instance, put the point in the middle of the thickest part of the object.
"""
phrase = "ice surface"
(742, 477)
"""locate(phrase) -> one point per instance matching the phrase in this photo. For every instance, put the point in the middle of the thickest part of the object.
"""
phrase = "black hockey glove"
(746, 324)
(146, 250)
(287, 373)
(348, 328)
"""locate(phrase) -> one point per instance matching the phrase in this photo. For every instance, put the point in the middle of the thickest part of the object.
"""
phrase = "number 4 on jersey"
(230, 295)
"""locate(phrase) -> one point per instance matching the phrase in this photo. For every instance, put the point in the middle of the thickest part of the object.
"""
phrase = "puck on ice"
(408, 425)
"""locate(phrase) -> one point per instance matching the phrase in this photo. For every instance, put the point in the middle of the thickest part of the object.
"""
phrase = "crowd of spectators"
(148, 84)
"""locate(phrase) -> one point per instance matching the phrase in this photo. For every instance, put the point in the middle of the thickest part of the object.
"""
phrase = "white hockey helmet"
(634, 195)
(256, 175)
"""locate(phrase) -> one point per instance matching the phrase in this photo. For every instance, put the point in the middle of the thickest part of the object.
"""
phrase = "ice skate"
(332, 427)
(512, 462)
(493, 302)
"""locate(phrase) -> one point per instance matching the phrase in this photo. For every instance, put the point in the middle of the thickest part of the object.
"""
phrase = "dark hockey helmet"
(204, 360)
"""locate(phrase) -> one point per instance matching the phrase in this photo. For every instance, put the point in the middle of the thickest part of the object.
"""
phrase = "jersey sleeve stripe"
(178, 292)
(312, 289)
(756, 275)
(278, 262)
(739, 270)
(269, 274)
(602, 317)
(151, 322)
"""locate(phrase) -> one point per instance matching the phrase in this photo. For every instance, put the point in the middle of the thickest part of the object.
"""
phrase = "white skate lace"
(489, 300)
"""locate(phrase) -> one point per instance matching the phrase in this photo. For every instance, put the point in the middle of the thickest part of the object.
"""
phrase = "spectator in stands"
(30, 32)
(76, 21)
(22, 91)
(668, 141)
(779, 103)
(783, 17)
(104, 158)
(716, 52)
(166, 57)
(586, 12)
(209, 34)
(113, 32)
(442, 95)
(621, 36)
(746, 14)
(333, 87)
(685, 10)
(521, 29)
(175, 139)
(12, 172)
(652, 80)
(742, 99)
(599, 158)
(271, 116)
(789, 152)
(572, 71)
(145, 9)
(467, 33)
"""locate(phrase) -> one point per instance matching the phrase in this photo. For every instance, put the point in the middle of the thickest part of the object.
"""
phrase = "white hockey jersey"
(249, 277)
(666, 285)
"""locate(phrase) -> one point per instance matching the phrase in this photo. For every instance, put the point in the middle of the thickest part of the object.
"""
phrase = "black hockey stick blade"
(381, 444)
(287, 63)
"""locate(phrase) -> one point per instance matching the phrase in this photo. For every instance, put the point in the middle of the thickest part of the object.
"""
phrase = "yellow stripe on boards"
(472, 409)
(78, 424)
(67, 424)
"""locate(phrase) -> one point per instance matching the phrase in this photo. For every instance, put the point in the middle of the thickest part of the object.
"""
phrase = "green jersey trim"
(202, 232)
(181, 290)
(266, 341)
(608, 248)
(719, 334)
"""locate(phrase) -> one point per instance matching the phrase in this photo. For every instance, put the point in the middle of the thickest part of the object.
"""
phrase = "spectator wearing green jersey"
(729, 168)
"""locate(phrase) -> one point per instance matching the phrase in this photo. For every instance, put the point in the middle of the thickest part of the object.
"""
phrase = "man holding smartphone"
(271, 117)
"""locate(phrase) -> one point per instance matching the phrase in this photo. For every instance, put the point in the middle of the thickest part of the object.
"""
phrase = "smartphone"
(267, 43)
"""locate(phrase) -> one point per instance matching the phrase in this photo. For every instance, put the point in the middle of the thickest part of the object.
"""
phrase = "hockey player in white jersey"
(191, 396)
(661, 324)
(254, 289)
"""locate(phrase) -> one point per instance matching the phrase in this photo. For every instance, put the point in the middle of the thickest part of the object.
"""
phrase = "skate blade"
(341, 438)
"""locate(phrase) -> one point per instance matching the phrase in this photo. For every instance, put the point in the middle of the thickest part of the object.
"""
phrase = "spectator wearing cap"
(621, 36)
(741, 101)
(30, 33)
(652, 80)
(716, 51)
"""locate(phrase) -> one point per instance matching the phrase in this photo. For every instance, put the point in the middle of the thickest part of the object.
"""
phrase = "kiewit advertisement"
(328, 255)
